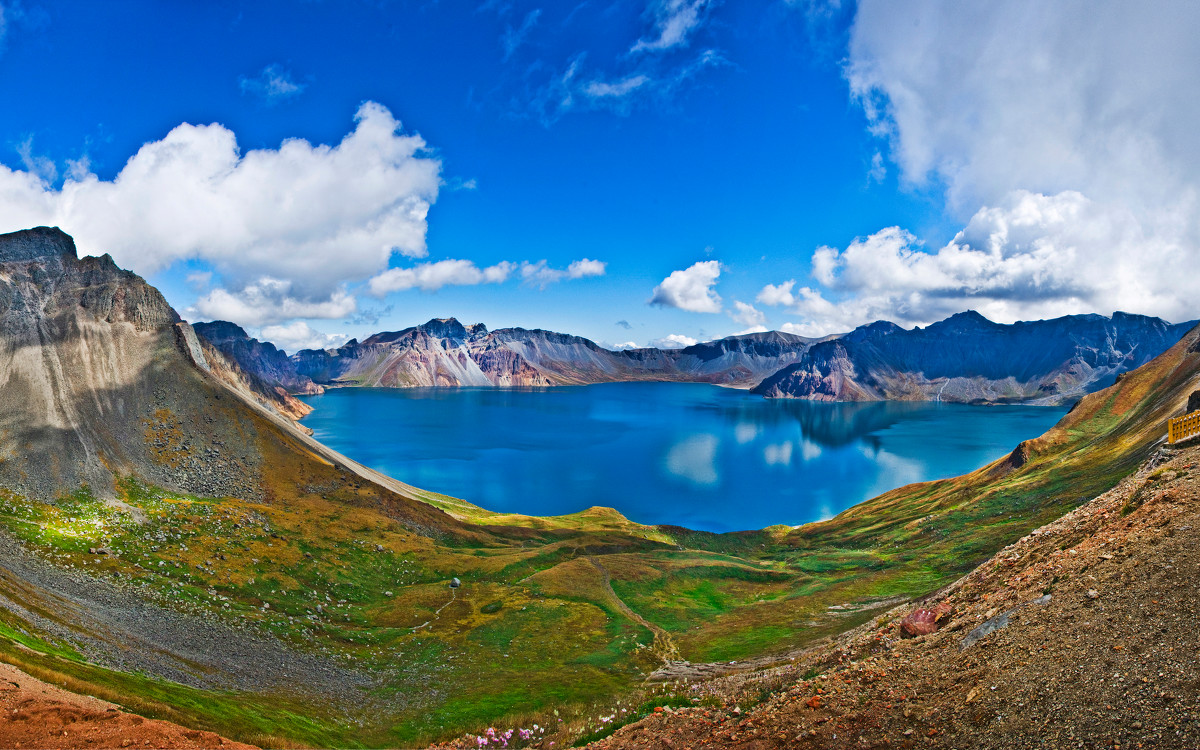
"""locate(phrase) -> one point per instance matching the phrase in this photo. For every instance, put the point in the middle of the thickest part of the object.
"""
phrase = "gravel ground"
(115, 628)
(1107, 660)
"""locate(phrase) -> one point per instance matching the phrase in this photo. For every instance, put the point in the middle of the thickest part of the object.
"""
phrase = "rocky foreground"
(1082, 634)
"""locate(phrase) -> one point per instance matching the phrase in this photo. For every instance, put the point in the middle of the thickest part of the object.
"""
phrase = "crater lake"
(694, 455)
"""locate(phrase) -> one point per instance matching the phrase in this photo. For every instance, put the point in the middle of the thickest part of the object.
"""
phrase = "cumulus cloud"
(273, 84)
(625, 346)
(429, 277)
(747, 315)
(199, 279)
(300, 335)
(674, 21)
(673, 341)
(1022, 95)
(1034, 256)
(315, 217)
(268, 301)
(541, 274)
(690, 289)
(1057, 132)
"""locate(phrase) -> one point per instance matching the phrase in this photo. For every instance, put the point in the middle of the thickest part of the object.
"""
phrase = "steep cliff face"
(99, 379)
(260, 369)
(76, 337)
(967, 358)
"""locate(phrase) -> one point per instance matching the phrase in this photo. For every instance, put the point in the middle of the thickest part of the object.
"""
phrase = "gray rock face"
(968, 358)
(97, 379)
(259, 358)
(39, 243)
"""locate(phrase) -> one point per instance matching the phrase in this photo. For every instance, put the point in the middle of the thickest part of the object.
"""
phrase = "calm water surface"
(688, 454)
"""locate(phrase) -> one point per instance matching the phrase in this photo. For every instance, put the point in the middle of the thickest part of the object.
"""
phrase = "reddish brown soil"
(1110, 660)
(35, 714)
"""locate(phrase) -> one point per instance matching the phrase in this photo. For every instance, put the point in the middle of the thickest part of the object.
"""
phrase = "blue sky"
(804, 166)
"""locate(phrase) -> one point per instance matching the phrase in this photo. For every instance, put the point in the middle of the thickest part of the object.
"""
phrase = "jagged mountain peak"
(445, 328)
(967, 320)
(871, 330)
(39, 243)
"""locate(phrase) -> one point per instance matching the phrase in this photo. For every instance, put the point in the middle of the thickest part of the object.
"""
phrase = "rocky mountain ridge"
(968, 358)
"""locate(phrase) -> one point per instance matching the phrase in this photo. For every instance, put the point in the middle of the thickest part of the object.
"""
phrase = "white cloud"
(1034, 256)
(777, 294)
(878, 171)
(318, 217)
(748, 315)
(541, 274)
(299, 335)
(429, 277)
(991, 97)
(622, 347)
(674, 21)
(1060, 131)
(199, 279)
(43, 167)
(674, 341)
(1070, 123)
(617, 89)
(690, 289)
(268, 301)
(273, 83)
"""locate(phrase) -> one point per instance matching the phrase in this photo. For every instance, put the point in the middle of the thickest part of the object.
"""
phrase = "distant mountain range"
(968, 358)
(965, 358)
(444, 352)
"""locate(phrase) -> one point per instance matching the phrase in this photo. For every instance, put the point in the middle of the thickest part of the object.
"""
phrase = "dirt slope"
(35, 714)
(1082, 634)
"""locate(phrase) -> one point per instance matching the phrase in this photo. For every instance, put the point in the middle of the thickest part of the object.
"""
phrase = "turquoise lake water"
(693, 455)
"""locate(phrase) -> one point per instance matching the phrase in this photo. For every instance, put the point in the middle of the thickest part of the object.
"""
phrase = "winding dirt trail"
(438, 613)
(664, 647)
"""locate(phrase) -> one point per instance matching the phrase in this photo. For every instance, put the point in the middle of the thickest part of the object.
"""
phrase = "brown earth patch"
(36, 714)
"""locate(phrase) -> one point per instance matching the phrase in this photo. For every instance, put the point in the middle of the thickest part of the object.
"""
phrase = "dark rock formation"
(968, 358)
